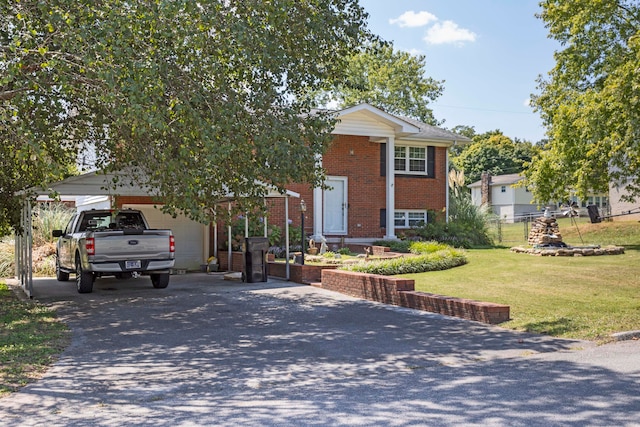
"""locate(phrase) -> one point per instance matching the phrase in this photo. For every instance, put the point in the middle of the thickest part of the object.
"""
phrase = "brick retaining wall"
(298, 273)
(401, 292)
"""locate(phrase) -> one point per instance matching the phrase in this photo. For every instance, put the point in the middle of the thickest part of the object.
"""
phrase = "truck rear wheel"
(160, 281)
(84, 279)
(61, 276)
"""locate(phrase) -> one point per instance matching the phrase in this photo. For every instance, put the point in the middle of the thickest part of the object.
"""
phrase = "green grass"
(573, 297)
(31, 338)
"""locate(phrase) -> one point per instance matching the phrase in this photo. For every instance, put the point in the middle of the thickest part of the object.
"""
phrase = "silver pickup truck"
(116, 243)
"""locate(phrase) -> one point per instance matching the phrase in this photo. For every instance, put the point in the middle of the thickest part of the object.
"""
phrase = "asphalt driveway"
(206, 352)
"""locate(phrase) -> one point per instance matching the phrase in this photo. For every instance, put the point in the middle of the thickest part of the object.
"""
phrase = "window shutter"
(383, 218)
(431, 162)
(383, 159)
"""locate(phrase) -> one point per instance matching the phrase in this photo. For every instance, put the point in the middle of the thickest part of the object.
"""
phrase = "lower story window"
(408, 219)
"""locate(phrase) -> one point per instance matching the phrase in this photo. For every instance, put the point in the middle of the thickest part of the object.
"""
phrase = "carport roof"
(98, 183)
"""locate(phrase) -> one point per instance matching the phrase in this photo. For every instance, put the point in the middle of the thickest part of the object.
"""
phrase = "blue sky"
(488, 52)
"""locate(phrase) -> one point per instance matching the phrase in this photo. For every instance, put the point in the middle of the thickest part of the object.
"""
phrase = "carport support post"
(229, 255)
(25, 255)
(286, 236)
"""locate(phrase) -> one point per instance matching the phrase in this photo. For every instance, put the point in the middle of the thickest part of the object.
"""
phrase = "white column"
(446, 187)
(317, 209)
(391, 189)
(317, 214)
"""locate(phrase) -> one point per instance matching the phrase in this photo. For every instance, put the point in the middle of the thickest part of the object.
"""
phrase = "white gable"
(366, 120)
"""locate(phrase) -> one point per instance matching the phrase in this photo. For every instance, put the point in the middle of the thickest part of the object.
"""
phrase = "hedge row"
(431, 256)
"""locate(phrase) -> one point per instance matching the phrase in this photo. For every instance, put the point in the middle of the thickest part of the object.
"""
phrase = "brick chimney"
(485, 188)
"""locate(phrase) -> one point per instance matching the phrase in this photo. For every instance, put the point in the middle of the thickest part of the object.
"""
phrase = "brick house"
(386, 174)
(370, 197)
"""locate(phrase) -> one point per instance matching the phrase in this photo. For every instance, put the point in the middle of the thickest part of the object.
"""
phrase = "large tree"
(495, 153)
(198, 98)
(392, 80)
(590, 101)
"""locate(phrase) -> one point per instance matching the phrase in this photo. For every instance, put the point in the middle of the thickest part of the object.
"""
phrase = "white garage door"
(190, 235)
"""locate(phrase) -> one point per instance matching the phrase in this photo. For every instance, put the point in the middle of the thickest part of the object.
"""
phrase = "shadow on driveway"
(206, 351)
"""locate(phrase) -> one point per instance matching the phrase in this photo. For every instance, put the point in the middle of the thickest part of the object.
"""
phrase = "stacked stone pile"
(570, 251)
(545, 231)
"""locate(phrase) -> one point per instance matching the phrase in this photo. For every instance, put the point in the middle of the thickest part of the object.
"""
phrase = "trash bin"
(254, 268)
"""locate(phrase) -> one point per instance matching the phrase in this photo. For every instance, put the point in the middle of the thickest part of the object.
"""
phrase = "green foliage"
(590, 100)
(401, 246)
(47, 218)
(427, 247)
(344, 251)
(435, 257)
(255, 229)
(200, 99)
(468, 224)
(390, 79)
(495, 153)
(7, 258)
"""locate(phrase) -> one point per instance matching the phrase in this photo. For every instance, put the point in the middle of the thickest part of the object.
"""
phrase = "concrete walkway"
(207, 352)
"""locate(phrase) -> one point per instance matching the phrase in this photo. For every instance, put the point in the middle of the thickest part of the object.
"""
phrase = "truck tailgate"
(116, 245)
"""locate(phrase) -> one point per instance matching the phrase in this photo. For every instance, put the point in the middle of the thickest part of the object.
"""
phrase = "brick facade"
(359, 159)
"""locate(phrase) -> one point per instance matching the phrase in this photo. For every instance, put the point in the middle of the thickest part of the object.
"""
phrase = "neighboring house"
(507, 200)
(512, 202)
(385, 174)
(620, 210)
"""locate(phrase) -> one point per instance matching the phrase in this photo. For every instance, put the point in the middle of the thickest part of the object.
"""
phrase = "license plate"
(132, 264)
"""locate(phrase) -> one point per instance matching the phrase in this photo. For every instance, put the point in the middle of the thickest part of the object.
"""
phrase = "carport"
(120, 183)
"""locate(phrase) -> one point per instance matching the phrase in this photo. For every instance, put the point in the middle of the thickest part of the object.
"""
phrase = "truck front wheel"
(84, 279)
(160, 281)
(62, 276)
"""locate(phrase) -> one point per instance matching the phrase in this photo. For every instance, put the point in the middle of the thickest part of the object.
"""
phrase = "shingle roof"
(507, 179)
(433, 132)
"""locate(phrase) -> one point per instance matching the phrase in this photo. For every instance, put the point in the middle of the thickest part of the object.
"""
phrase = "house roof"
(98, 183)
(435, 133)
(507, 179)
(405, 127)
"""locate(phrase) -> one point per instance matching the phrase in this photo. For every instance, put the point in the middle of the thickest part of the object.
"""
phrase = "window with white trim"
(410, 218)
(410, 159)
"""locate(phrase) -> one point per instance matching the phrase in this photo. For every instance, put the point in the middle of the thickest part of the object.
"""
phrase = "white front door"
(335, 206)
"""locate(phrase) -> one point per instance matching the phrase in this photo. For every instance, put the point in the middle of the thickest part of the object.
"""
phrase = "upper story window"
(410, 159)
(503, 189)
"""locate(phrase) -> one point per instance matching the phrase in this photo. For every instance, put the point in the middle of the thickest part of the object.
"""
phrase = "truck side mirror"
(56, 233)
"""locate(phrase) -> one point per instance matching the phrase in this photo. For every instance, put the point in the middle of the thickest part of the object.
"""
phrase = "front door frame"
(328, 208)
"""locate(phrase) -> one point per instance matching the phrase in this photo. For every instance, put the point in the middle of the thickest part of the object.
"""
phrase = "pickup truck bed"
(96, 243)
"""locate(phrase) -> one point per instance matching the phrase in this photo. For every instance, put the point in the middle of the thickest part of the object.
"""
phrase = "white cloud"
(413, 19)
(448, 32)
(527, 102)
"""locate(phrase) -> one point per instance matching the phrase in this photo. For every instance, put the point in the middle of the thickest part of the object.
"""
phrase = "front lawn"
(31, 338)
(573, 297)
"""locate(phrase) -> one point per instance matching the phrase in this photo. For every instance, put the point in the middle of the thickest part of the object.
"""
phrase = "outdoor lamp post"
(303, 209)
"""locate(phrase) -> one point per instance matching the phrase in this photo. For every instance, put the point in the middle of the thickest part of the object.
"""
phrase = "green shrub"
(426, 247)
(395, 245)
(429, 256)
(7, 258)
(47, 218)
(434, 261)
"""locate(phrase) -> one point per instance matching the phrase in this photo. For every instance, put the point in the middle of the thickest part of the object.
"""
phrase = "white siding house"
(514, 203)
(507, 201)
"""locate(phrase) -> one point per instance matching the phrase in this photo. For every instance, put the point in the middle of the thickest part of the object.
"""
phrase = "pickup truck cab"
(120, 243)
